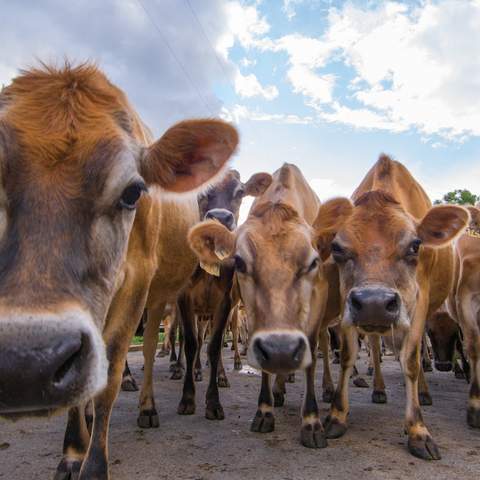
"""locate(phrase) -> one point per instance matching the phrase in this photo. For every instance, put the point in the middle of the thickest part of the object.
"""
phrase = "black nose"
(280, 353)
(41, 374)
(374, 309)
(224, 216)
(445, 366)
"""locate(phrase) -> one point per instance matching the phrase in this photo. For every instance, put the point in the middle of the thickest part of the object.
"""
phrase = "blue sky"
(327, 85)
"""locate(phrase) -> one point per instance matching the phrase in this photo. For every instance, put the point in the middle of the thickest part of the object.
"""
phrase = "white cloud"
(246, 62)
(248, 86)
(240, 112)
(289, 7)
(327, 188)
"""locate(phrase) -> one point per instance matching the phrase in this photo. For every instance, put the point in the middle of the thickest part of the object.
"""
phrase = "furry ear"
(189, 155)
(474, 217)
(442, 224)
(212, 243)
(330, 218)
(257, 184)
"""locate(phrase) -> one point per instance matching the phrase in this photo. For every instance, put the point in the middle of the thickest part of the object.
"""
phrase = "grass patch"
(138, 340)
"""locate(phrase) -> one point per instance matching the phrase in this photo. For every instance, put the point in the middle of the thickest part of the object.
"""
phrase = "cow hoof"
(327, 395)
(68, 470)
(423, 447)
(278, 399)
(291, 378)
(425, 398)
(427, 367)
(237, 365)
(360, 382)
(177, 373)
(263, 422)
(473, 417)
(186, 407)
(379, 396)
(214, 411)
(198, 375)
(163, 353)
(313, 436)
(336, 360)
(129, 384)
(459, 374)
(222, 382)
(334, 428)
(148, 419)
(370, 371)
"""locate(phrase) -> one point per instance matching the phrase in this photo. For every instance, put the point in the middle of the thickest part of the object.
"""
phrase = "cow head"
(280, 275)
(444, 334)
(382, 255)
(74, 167)
(222, 201)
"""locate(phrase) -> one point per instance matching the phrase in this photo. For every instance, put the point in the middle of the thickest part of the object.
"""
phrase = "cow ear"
(330, 218)
(257, 184)
(189, 155)
(212, 243)
(474, 216)
(442, 224)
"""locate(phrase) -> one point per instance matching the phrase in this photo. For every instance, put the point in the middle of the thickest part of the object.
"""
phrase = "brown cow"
(464, 306)
(80, 243)
(395, 265)
(283, 288)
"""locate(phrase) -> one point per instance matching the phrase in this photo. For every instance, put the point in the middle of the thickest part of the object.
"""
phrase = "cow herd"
(101, 223)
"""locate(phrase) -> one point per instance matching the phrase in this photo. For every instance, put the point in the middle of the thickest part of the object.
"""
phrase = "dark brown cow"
(79, 242)
(395, 265)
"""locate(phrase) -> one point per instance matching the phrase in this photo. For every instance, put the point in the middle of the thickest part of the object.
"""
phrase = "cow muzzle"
(222, 215)
(444, 366)
(279, 353)
(49, 362)
(374, 309)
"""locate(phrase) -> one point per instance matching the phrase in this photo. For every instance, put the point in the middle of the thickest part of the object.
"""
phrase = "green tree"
(460, 197)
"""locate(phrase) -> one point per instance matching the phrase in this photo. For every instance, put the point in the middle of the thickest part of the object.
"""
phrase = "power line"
(174, 55)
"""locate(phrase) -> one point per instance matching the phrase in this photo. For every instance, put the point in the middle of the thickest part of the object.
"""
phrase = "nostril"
(355, 302)
(261, 349)
(297, 353)
(392, 305)
(72, 355)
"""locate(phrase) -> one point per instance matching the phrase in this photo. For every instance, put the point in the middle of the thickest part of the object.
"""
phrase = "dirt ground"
(192, 447)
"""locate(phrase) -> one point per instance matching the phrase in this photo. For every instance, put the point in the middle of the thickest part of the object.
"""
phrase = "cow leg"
(264, 421)
(424, 396)
(420, 442)
(128, 382)
(235, 326)
(336, 422)
(173, 340)
(378, 395)
(327, 382)
(279, 390)
(426, 360)
(177, 368)
(148, 417)
(214, 409)
(187, 319)
(312, 434)
(200, 339)
(75, 445)
(222, 380)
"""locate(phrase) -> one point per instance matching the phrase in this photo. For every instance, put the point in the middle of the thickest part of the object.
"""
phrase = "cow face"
(74, 169)
(222, 201)
(444, 334)
(281, 280)
(382, 255)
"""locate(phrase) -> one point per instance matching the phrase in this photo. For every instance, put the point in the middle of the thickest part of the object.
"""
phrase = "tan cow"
(81, 243)
(464, 306)
(283, 288)
(395, 266)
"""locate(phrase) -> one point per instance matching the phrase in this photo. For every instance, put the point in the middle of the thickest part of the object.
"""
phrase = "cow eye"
(240, 265)
(313, 265)
(338, 252)
(131, 195)
(414, 247)
(239, 193)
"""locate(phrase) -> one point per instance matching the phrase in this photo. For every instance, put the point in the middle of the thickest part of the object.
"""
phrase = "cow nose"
(445, 366)
(281, 353)
(374, 309)
(224, 216)
(47, 364)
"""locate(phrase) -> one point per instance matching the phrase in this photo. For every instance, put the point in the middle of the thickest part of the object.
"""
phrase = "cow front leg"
(336, 422)
(264, 421)
(197, 372)
(378, 395)
(75, 445)
(177, 368)
(279, 390)
(328, 389)
(187, 319)
(420, 442)
(128, 382)
(222, 380)
(148, 416)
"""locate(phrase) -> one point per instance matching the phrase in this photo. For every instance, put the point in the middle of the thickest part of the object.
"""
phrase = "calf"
(395, 265)
(464, 306)
(282, 285)
(80, 238)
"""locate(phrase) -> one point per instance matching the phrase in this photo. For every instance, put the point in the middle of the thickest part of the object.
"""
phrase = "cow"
(464, 306)
(395, 265)
(283, 288)
(84, 218)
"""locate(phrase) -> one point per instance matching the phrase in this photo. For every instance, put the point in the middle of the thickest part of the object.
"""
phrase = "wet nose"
(374, 309)
(224, 216)
(281, 353)
(445, 366)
